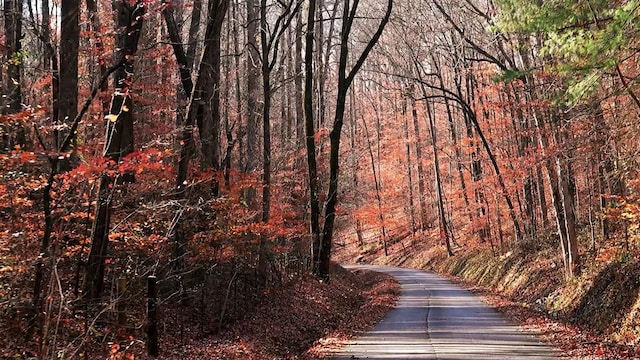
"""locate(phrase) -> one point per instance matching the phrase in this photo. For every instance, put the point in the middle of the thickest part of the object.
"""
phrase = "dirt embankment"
(303, 321)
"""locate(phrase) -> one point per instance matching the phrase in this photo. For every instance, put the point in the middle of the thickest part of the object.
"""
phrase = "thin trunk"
(352, 143)
(194, 27)
(477, 172)
(314, 201)
(542, 197)
(298, 80)
(270, 45)
(13, 91)
(521, 126)
(605, 170)
(559, 194)
(238, 90)
(566, 199)
(55, 73)
(590, 186)
(253, 107)
(454, 140)
(409, 168)
(266, 133)
(185, 127)
(96, 28)
(569, 244)
(47, 211)
(319, 31)
(325, 54)
(13, 37)
(228, 126)
(377, 187)
(444, 232)
(284, 119)
(421, 186)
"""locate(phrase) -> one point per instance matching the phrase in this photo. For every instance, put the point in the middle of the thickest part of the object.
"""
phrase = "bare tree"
(321, 248)
(119, 141)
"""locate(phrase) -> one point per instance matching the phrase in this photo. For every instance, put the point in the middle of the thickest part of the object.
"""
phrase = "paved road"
(436, 319)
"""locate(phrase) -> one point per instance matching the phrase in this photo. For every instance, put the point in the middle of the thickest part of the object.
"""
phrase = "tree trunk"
(51, 64)
(269, 46)
(324, 53)
(266, 133)
(119, 141)
(253, 90)
(96, 28)
(377, 186)
(298, 80)
(454, 138)
(559, 194)
(13, 47)
(13, 134)
(566, 198)
(542, 197)
(606, 168)
(322, 259)
(314, 202)
(208, 94)
(444, 232)
(477, 172)
(319, 32)
(238, 91)
(186, 138)
(409, 168)
(354, 167)
(421, 186)
(228, 125)
(69, 43)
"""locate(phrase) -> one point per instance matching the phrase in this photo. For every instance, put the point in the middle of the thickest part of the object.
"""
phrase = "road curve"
(436, 319)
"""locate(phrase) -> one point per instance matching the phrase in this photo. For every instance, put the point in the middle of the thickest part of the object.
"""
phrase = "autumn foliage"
(484, 126)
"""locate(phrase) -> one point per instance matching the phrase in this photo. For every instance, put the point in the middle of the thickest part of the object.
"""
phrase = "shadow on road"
(436, 319)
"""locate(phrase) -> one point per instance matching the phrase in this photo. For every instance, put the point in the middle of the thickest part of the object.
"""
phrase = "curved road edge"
(437, 319)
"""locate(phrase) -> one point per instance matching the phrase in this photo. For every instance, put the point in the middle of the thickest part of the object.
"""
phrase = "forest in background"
(268, 133)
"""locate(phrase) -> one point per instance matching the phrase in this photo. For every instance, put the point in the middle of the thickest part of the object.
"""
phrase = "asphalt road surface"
(436, 319)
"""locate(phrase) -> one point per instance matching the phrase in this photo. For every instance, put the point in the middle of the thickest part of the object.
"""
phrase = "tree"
(118, 141)
(14, 57)
(69, 44)
(321, 248)
(207, 89)
(253, 91)
(269, 46)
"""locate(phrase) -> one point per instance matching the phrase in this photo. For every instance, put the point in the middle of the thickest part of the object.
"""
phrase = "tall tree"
(444, 228)
(298, 81)
(203, 108)
(321, 249)
(14, 57)
(420, 168)
(69, 47)
(96, 28)
(270, 37)
(207, 89)
(118, 142)
(253, 90)
(309, 126)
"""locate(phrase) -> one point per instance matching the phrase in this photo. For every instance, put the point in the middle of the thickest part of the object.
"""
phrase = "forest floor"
(302, 321)
(591, 317)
